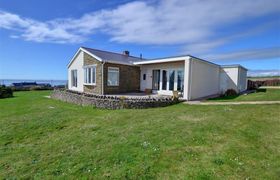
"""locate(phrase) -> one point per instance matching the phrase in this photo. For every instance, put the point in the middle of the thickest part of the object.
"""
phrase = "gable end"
(85, 51)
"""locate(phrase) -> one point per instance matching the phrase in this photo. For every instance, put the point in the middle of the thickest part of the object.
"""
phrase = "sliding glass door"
(164, 80)
(172, 80)
(168, 80)
(180, 80)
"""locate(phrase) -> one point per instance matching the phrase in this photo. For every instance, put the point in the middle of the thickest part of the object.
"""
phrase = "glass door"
(180, 80)
(171, 80)
(164, 80)
(156, 79)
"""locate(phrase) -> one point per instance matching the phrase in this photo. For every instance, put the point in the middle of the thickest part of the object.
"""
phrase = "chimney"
(126, 53)
(141, 56)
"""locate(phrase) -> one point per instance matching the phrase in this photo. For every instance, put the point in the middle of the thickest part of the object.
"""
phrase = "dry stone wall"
(111, 102)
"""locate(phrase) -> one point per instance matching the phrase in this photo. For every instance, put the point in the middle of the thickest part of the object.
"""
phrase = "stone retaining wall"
(111, 102)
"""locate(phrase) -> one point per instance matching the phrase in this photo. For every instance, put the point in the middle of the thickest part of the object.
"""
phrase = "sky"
(39, 38)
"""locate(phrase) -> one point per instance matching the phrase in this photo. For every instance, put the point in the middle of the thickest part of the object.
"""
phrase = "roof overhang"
(163, 60)
(84, 50)
(234, 66)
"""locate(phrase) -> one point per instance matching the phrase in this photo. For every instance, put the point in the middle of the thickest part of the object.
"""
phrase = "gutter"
(190, 79)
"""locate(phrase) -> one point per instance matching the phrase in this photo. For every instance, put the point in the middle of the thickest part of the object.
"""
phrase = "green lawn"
(263, 78)
(260, 95)
(44, 139)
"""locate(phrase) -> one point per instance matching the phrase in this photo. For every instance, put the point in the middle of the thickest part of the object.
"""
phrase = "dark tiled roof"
(113, 57)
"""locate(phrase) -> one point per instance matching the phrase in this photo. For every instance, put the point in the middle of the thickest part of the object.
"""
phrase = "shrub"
(230, 92)
(20, 88)
(268, 82)
(36, 88)
(32, 88)
(5, 92)
(252, 85)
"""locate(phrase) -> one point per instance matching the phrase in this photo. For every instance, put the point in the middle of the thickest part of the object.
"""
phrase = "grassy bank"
(45, 138)
(261, 95)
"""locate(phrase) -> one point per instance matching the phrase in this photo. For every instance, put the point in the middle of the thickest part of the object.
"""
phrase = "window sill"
(113, 85)
(87, 84)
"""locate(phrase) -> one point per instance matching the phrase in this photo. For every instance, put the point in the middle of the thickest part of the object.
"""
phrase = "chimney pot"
(126, 53)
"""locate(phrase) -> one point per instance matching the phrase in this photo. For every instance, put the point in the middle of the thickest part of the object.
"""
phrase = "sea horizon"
(52, 82)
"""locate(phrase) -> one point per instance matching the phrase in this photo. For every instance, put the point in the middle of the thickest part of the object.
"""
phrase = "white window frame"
(114, 69)
(93, 80)
(72, 78)
(175, 78)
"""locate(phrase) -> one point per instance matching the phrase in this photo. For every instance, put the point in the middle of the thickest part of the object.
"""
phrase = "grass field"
(44, 139)
(263, 78)
(260, 95)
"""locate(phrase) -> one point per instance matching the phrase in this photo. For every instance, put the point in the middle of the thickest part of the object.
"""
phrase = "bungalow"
(102, 72)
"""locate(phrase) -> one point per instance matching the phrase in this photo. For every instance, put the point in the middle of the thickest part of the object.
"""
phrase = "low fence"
(111, 102)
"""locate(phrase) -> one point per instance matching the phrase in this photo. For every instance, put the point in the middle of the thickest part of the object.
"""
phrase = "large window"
(74, 78)
(171, 79)
(156, 79)
(90, 75)
(113, 76)
(164, 79)
(180, 80)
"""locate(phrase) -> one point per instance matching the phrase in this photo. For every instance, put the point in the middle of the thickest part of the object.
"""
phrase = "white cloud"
(164, 22)
(32, 30)
(271, 72)
(207, 45)
(12, 21)
(247, 54)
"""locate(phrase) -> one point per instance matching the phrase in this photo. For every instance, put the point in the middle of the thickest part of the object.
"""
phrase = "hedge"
(5, 92)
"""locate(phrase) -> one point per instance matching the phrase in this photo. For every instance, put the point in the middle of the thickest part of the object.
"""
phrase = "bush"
(20, 88)
(230, 92)
(5, 92)
(252, 85)
(269, 82)
(37, 88)
(32, 88)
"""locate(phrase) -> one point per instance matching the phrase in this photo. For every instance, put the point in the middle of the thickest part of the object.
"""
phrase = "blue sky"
(38, 38)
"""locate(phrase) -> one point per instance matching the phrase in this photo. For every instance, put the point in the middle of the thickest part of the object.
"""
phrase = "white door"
(168, 81)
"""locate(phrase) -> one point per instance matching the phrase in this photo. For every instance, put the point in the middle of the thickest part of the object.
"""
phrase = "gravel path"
(230, 103)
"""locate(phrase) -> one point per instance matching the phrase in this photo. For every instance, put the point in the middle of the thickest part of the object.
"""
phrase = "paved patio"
(138, 95)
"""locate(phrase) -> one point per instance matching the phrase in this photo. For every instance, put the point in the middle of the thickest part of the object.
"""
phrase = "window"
(144, 76)
(171, 80)
(74, 78)
(156, 79)
(164, 79)
(90, 75)
(180, 80)
(113, 76)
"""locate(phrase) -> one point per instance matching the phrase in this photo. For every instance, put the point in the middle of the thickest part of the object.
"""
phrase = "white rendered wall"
(187, 79)
(233, 78)
(229, 79)
(242, 83)
(78, 65)
(148, 70)
(204, 79)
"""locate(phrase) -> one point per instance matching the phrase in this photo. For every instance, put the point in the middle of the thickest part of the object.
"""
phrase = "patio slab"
(138, 95)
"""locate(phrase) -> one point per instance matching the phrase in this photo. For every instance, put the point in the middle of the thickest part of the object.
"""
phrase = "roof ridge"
(110, 52)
